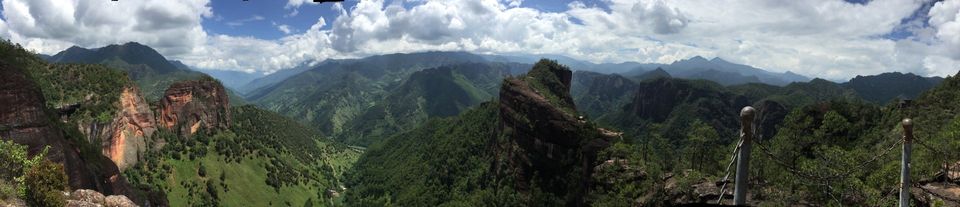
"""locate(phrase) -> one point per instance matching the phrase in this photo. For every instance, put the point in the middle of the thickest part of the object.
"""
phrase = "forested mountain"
(597, 94)
(444, 91)
(574, 64)
(189, 148)
(653, 74)
(335, 93)
(277, 77)
(460, 129)
(528, 147)
(883, 88)
(151, 71)
(721, 71)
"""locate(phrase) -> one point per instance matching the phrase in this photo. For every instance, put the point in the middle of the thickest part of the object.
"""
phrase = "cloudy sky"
(823, 38)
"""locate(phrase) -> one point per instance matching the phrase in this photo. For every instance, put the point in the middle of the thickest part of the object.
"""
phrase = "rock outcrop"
(86, 197)
(188, 106)
(546, 145)
(769, 115)
(128, 135)
(25, 119)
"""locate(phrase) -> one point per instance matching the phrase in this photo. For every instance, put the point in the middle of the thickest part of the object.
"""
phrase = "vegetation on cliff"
(262, 159)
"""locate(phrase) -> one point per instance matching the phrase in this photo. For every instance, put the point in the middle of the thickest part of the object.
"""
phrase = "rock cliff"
(546, 144)
(128, 135)
(189, 105)
(25, 119)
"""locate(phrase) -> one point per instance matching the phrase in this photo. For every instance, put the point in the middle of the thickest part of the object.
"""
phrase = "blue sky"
(239, 18)
(261, 18)
(833, 39)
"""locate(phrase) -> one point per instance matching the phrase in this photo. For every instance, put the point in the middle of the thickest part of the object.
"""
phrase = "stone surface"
(76, 203)
(13, 202)
(25, 119)
(130, 129)
(118, 201)
(189, 105)
(546, 142)
(87, 195)
(769, 115)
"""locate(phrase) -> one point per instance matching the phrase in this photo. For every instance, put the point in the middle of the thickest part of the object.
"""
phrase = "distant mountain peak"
(698, 59)
(130, 44)
(718, 60)
(130, 52)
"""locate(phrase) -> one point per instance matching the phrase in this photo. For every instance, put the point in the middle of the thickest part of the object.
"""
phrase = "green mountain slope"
(487, 155)
(151, 71)
(443, 162)
(883, 88)
(263, 159)
(437, 92)
(332, 95)
(596, 94)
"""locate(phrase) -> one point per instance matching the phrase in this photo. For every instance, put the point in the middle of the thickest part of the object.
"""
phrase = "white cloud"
(830, 39)
(240, 22)
(284, 28)
(945, 17)
(48, 26)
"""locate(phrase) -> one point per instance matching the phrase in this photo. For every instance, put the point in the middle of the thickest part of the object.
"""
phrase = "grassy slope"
(266, 159)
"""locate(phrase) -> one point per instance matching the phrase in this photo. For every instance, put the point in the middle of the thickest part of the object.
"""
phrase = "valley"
(464, 129)
(620, 103)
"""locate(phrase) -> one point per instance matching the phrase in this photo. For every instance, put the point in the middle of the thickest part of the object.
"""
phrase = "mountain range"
(455, 128)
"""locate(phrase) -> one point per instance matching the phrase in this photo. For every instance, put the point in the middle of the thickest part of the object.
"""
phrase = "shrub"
(13, 161)
(7, 190)
(44, 183)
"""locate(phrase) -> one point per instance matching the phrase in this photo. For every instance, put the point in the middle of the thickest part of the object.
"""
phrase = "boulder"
(118, 201)
(76, 203)
(86, 195)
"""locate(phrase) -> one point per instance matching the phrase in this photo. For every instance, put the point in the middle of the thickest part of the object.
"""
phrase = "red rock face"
(132, 126)
(189, 105)
(25, 119)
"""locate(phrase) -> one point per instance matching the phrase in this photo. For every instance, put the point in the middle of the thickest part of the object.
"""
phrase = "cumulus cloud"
(830, 39)
(945, 18)
(48, 26)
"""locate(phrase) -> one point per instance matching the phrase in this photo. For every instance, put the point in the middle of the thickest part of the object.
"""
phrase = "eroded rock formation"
(189, 105)
(130, 129)
(25, 120)
(546, 143)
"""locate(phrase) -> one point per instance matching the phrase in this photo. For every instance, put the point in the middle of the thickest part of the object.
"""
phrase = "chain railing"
(825, 179)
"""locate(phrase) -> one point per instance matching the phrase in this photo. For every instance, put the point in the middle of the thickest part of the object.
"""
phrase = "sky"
(831, 39)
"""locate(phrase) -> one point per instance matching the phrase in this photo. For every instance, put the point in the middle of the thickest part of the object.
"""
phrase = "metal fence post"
(905, 163)
(743, 159)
